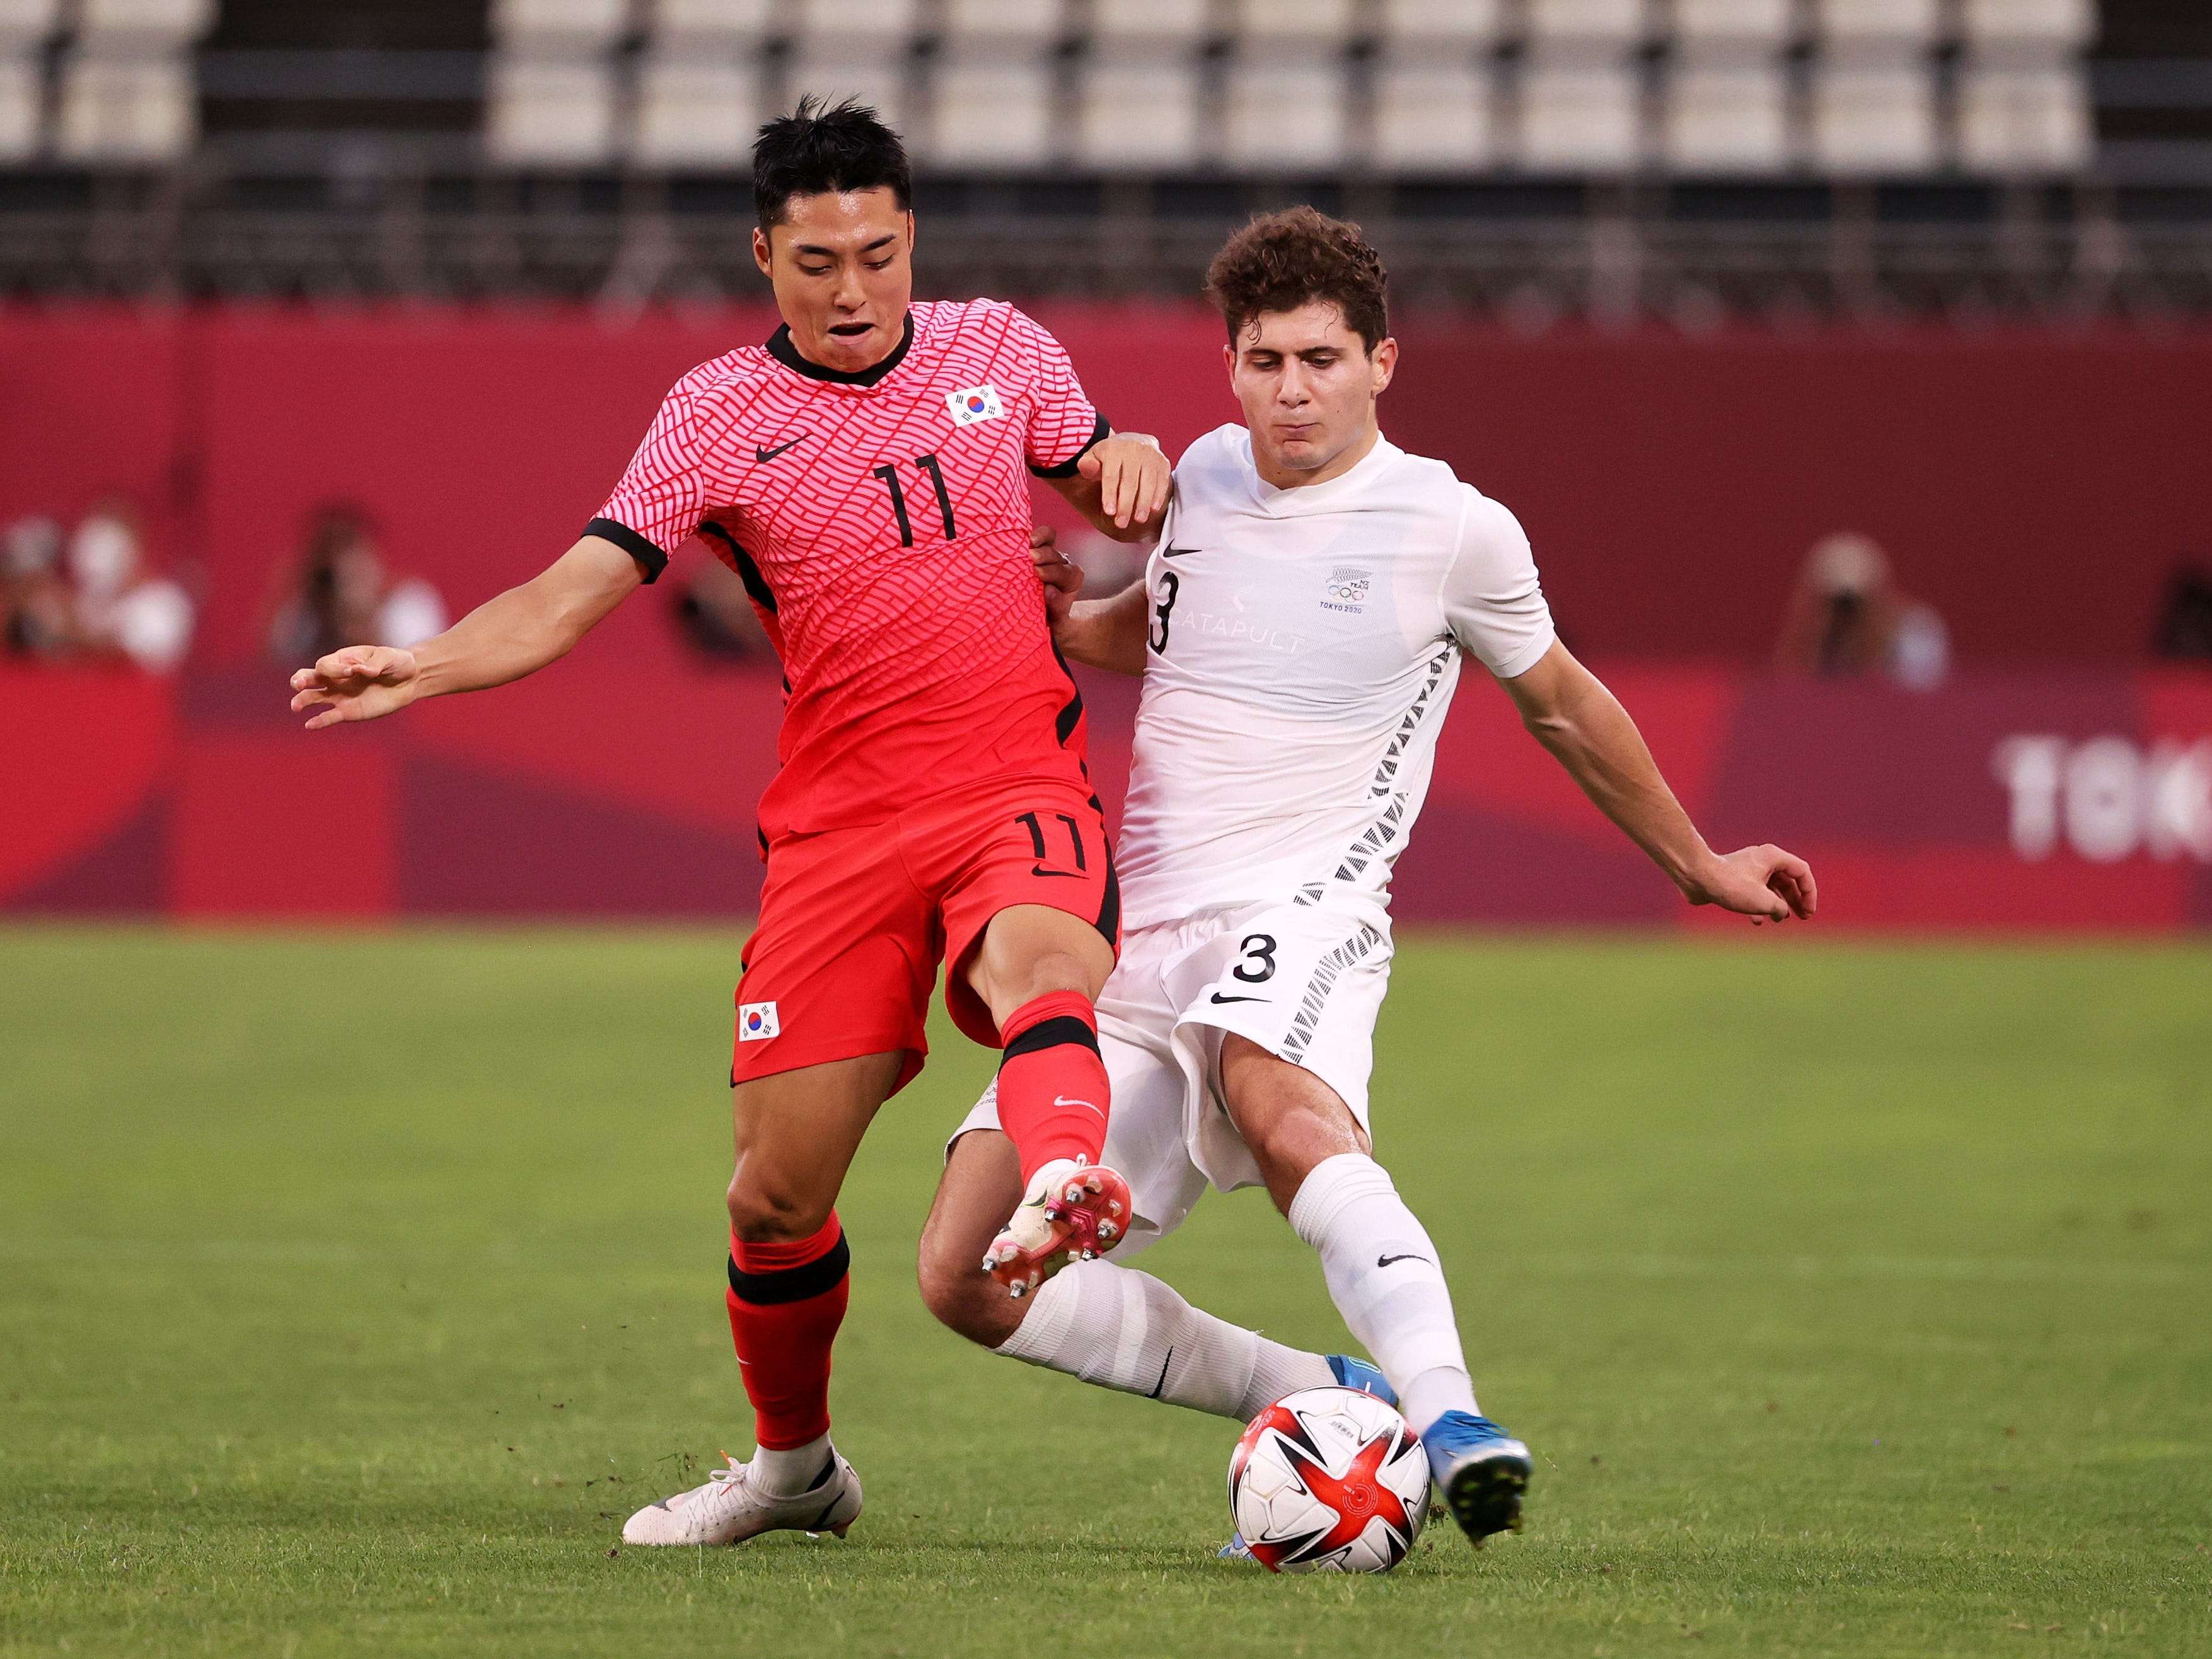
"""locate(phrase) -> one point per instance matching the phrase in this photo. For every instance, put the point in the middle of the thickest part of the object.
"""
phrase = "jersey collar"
(781, 348)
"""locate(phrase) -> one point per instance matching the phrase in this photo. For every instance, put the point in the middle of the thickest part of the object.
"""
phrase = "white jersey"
(1303, 647)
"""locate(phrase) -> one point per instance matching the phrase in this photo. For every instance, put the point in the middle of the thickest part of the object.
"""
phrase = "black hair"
(823, 148)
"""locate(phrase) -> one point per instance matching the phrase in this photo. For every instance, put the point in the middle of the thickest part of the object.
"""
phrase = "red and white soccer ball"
(1329, 1480)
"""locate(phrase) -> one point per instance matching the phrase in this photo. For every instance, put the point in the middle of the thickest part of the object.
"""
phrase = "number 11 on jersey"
(888, 473)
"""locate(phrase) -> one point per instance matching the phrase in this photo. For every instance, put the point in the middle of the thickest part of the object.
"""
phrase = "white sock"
(1124, 1329)
(1384, 1277)
(787, 1474)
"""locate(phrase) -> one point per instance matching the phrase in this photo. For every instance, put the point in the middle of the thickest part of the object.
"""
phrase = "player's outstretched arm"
(1120, 485)
(503, 639)
(1572, 714)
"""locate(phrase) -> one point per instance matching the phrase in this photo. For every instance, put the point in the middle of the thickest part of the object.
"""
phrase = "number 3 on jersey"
(1170, 583)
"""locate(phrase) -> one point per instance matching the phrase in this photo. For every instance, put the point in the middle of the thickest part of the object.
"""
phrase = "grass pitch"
(353, 1289)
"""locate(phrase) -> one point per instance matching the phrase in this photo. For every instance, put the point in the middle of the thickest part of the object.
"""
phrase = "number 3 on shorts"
(1259, 951)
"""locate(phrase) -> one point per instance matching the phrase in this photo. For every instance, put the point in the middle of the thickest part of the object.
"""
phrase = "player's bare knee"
(1290, 1119)
(765, 1210)
(961, 1296)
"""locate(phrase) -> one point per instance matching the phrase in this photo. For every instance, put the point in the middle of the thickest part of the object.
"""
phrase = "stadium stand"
(1749, 152)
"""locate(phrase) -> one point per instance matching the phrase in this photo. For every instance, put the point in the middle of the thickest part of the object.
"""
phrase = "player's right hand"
(1764, 883)
(361, 682)
(1061, 576)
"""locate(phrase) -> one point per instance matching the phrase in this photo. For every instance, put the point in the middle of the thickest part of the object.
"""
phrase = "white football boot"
(727, 1511)
(1071, 1212)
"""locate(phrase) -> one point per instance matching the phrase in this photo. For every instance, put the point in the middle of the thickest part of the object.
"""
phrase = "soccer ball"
(1329, 1479)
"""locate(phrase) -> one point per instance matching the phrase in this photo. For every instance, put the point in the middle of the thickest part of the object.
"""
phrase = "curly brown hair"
(1282, 261)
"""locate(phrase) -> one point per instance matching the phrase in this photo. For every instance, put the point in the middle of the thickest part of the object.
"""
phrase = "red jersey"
(880, 522)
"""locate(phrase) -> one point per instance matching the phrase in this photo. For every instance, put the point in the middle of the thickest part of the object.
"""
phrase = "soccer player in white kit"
(1300, 630)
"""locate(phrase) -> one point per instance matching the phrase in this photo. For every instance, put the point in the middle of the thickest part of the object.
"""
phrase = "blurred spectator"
(2184, 618)
(1850, 618)
(36, 613)
(715, 615)
(123, 609)
(343, 595)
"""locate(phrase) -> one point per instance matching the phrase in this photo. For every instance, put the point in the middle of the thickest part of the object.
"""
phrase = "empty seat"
(2017, 117)
(673, 22)
(169, 22)
(21, 95)
(549, 112)
(1426, 22)
(1137, 112)
(1036, 21)
(1285, 112)
(1620, 20)
(993, 111)
(1118, 23)
(1764, 22)
(697, 112)
(1433, 115)
(828, 70)
(27, 22)
(2067, 23)
(1912, 22)
(1726, 114)
(1580, 113)
(1869, 118)
(126, 110)
(576, 24)
(872, 29)
(1321, 23)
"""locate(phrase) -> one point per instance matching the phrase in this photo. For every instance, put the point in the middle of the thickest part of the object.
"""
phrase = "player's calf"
(1052, 1093)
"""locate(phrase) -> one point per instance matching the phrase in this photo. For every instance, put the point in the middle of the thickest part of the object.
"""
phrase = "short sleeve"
(1493, 604)
(663, 496)
(1062, 421)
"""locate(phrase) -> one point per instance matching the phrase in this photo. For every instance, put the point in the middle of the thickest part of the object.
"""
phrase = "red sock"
(787, 1300)
(1052, 1084)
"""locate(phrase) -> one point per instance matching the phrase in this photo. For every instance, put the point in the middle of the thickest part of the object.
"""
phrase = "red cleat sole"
(1089, 1216)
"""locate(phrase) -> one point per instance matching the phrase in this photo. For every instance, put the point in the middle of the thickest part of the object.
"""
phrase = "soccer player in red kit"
(865, 474)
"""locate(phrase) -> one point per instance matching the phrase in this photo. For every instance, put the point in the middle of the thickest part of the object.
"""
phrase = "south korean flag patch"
(757, 1022)
(974, 404)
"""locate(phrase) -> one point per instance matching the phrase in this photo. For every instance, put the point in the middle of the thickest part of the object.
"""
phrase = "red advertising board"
(622, 783)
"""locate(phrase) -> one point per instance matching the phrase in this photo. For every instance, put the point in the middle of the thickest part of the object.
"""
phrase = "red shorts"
(854, 922)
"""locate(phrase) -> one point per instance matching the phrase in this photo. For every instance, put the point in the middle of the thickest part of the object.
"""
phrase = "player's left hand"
(1061, 576)
(1764, 883)
(1133, 477)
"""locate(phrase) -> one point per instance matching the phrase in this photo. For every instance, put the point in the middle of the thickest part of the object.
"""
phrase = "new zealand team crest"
(1346, 589)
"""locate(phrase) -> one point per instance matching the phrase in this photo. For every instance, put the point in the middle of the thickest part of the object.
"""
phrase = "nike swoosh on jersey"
(1177, 552)
(1062, 1100)
(1385, 1260)
(1218, 997)
(759, 454)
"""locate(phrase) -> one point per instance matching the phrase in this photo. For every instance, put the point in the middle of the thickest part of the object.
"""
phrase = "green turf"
(354, 1287)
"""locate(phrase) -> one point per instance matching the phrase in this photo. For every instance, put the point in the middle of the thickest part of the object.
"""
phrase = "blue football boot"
(1481, 1470)
(1349, 1373)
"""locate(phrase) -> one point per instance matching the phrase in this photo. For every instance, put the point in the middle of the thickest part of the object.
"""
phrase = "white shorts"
(1303, 981)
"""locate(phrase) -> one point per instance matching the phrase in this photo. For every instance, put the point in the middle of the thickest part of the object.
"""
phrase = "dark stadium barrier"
(623, 784)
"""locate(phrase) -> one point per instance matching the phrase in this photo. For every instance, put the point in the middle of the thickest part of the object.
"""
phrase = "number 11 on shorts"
(1035, 826)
